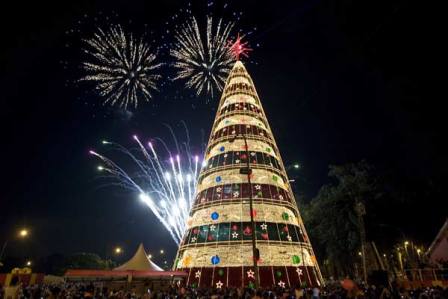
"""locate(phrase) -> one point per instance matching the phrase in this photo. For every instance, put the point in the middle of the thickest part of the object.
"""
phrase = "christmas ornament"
(187, 261)
(214, 216)
(247, 231)
(295, 259)
(250, 274)
(215, 260)
(219, 284)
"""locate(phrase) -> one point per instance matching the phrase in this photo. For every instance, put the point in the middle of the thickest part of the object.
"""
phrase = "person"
(12, 291)
(385, 293)
(298, 292)
(316, 292)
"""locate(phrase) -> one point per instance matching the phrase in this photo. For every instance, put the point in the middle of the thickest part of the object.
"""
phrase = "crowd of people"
(88, 290)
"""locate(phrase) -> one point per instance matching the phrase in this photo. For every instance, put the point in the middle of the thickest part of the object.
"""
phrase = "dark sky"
(339, 80)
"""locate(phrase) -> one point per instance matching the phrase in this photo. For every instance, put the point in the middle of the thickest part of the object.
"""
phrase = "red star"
(240, 48)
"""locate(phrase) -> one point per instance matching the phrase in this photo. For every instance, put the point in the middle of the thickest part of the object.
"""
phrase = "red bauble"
(247, 231)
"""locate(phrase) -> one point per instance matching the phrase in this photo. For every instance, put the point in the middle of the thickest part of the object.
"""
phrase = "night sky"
(340, 81)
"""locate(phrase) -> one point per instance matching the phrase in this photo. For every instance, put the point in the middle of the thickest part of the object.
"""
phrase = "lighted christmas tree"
(243, 167)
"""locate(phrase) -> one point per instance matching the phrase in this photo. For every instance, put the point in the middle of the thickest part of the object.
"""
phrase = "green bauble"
(251, 285)
(220, 272)
(278, 273)
(295, 259)
(285, 216)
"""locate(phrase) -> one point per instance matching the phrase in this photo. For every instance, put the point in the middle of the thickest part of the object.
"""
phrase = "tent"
(139, 262)
(438, 250)
(135, 271)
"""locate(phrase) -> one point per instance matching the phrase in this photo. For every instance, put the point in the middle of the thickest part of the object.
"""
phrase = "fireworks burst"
(203, 59)
(166, 186)
(122, 67)
(238, 48)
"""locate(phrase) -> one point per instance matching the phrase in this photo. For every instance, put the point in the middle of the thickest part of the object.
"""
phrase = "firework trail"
(166, 186)
(203, 59)
(122, 68)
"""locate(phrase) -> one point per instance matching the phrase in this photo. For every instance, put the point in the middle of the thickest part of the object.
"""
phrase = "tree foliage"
(331, 217)
(87, 261)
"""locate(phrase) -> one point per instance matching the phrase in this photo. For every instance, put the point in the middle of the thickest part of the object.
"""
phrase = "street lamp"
(361, 211)
(28, 263)
(162, 251)
(150, 256)
(118, 250)
(23, 233)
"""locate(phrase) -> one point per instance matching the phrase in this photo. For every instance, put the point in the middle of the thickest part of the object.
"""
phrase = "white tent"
(139, 262)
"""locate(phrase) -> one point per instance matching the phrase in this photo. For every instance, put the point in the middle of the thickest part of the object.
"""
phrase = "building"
(217, 249)
(138, 273)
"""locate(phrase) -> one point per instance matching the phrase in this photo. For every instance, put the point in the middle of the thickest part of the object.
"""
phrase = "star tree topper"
(239, 48)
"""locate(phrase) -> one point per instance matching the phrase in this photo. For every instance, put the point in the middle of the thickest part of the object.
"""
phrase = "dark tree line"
(57, 264)
(333, 221)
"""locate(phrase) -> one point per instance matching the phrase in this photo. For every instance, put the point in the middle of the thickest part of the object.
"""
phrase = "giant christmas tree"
(243, 168)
